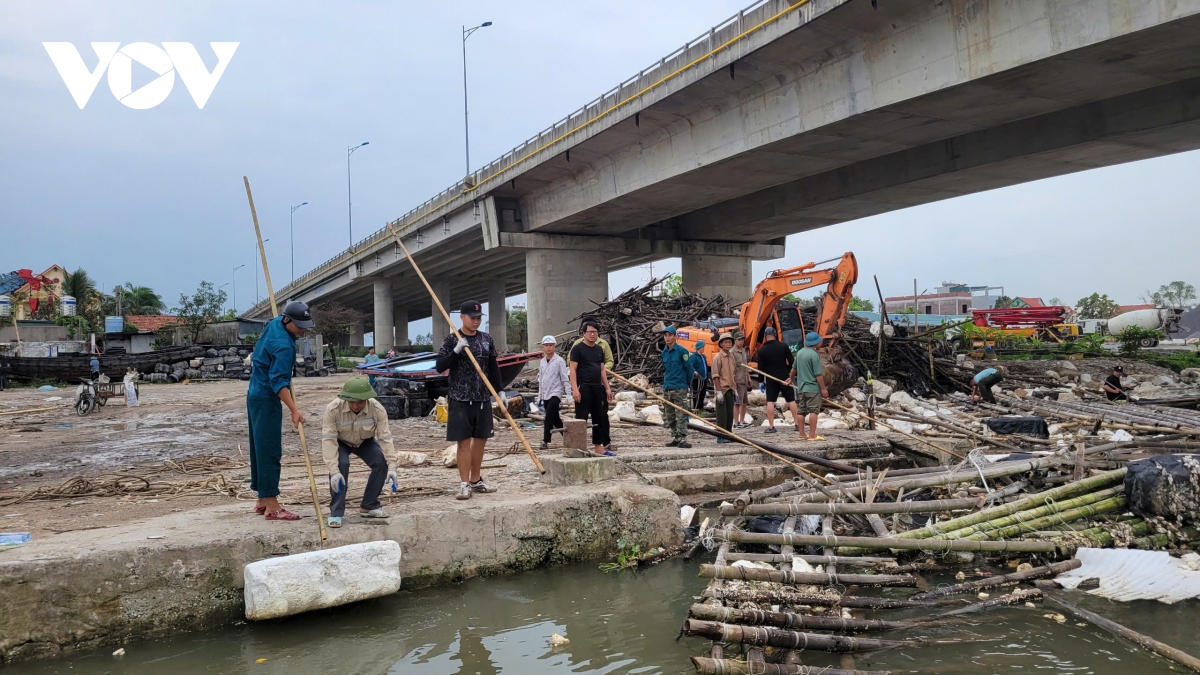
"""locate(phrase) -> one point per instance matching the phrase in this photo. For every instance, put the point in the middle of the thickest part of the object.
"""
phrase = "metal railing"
(722, 37)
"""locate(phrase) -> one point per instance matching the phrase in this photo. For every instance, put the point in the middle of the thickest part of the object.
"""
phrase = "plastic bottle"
(14, 538)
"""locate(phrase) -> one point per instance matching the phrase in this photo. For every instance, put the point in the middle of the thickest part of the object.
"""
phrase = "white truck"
(1164, 320)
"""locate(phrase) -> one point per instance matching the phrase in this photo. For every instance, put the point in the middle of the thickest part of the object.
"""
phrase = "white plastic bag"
(131, 398)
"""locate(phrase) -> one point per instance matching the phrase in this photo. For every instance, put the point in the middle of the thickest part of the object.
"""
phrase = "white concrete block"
(318, 579)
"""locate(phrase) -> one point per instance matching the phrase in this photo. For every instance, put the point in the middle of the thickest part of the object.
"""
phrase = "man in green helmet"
(356, 424)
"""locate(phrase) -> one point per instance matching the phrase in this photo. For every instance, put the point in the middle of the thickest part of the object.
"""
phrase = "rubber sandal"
(817, 438)
(335, 521)
(282, 514)
(608, 453)
(373, 513)
(260, 510)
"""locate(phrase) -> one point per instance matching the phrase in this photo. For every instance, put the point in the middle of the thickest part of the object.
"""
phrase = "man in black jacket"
(470, 404)
(775, 359)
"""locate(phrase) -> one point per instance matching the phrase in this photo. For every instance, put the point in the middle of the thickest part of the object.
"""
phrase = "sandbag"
(1023, 426)
(1165, 485)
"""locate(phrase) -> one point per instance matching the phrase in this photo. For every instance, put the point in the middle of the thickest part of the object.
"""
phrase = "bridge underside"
(849, 113)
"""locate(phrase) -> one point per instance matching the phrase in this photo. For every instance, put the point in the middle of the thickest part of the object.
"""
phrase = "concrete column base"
(562, 285)
(400, 321)
(728, 276)
(384, 323)
(497, 314)
(578, 471)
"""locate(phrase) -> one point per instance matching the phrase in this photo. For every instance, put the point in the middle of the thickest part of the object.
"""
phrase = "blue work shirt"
(986, 372)
(699, 365)
(675, 366)
(273, 359)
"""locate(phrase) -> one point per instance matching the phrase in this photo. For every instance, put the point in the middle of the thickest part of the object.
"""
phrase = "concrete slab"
(578, 470)
(303, 582)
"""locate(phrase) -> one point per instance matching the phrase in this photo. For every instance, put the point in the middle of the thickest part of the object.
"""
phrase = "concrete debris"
(304, 582)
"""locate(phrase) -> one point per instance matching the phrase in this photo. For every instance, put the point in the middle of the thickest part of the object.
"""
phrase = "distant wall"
(40, 333)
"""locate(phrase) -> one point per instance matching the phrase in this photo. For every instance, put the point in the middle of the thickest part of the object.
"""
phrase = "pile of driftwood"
(632, 323)
(791, 558)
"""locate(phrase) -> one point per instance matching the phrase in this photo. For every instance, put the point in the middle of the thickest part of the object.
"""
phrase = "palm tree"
(78, 285)
(141, 300)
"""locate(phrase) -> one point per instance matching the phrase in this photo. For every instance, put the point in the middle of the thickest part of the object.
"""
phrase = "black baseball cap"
(1119, 369)
(472, 309)
(769, 331)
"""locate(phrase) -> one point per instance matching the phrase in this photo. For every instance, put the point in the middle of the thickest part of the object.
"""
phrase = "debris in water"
(120, 652)
(557, 640)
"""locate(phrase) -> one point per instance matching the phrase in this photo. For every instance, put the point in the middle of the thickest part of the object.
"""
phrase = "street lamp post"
(235, 286)
(221, 287)
(292, 238)
(349, 203)
(467, 127)
(257, 264)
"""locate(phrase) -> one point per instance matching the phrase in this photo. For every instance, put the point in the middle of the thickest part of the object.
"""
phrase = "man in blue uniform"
(270, 381)
(676, 373)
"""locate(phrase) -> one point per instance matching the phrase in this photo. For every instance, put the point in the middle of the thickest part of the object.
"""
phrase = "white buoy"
(320, 579)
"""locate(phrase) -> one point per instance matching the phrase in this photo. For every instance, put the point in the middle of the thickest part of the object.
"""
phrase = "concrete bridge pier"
(384, 323)
(497, 315)
(728, 276)
(400, 322)
(441, 287)
(358, 339)
(561, 284)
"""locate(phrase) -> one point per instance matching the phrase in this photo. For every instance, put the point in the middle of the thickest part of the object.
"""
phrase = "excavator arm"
(757, 312)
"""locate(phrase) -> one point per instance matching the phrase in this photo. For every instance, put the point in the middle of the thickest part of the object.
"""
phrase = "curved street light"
(292, 238)
(349, 203)
(467, 127)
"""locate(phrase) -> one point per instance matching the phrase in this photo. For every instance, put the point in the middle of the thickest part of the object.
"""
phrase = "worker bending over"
(270, 381)
(356, 424)
(554, 385)
(810, 386)
(982, 383)
(1113, 389)
(470, 416)
(724, 368)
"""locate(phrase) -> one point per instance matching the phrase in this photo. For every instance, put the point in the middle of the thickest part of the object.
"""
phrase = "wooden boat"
(70, 367)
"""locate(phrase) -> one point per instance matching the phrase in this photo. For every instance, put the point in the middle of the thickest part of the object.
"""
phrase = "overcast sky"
(155, 196)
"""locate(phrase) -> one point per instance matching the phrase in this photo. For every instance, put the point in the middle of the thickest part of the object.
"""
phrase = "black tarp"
(1165, 485)
(1024, 426)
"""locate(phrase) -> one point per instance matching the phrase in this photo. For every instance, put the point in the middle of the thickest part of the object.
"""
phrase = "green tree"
(517, 322)
(140, 300)
(1096, 306)
(79, 285)
(1177, 294)
(858, 304)
(672, 286)
(1055, 301)
(1003, 302)
(203, 306)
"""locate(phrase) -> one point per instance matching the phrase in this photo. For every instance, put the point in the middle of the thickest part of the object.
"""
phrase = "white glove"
(462, 344)
(720, 397)
(503, 400)
(337, 482)
(392, 478)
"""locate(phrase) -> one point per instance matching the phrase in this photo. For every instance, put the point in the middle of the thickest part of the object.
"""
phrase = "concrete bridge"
(790, 116)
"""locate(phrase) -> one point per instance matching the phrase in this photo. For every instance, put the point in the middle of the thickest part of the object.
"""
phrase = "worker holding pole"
(470, 416)
(741, 378)
(810, 386)
(270, 381)
(723, 375)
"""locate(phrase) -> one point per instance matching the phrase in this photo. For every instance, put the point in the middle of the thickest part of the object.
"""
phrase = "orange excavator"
(766, 307)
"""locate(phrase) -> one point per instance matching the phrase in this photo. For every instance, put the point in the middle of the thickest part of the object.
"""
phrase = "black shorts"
(469, 419)
(775, 390)
(986, 384)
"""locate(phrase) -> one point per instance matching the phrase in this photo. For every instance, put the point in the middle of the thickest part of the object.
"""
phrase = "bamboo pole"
(312, 481)
(792, 598)
(790, 620)
(840, 508)
(738, 573)
(929, 545)
(788, 639)
(705, 666)
(1164, 650)
(850, 561)
(29, 410)
(1018, 595)
(864, 415)
(1001, 580)
(718, 432)
(470, 355)
(693, 415)
(1058, 517)
(1025, 515)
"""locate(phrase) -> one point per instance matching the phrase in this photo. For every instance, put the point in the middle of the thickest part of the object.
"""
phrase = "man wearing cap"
(356, 424)
(676, 373)
(554, 385)
(810, 386)
(699, 364)
(741, 379)
(469, 422)
(982, 383)
(724, 368)
(1113, 389)
(776, 360)
(272, 362)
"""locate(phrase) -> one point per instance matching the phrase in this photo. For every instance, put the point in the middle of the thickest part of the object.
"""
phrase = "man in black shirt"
(1113, 388)
(775, 359)
(470, 403)
(589, 387)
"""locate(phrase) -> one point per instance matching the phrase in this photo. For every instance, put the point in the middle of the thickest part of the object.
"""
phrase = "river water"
(617, 623)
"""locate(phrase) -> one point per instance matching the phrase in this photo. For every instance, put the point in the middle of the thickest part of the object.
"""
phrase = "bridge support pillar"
(727, 276)
(441, 288)
(561, 285)
(358, 338)
(497, 314)
(400, 321)
(384, 325)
